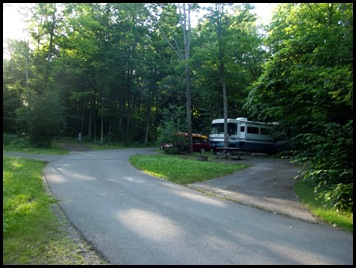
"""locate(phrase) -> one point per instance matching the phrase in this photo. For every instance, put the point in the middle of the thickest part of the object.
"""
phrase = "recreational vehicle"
(250, 136)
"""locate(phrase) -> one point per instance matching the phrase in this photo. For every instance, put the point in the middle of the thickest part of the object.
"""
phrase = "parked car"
(200, 143)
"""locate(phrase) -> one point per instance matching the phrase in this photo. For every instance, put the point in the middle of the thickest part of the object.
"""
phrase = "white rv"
(246, 135)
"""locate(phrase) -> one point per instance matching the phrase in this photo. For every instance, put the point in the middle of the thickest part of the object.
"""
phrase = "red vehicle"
(200, 143)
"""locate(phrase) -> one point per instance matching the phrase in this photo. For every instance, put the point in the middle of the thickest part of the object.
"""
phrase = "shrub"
(45, 120)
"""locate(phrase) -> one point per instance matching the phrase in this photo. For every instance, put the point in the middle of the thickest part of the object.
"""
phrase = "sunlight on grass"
(182, 171)
(16, 164)
(32, 234)
(305, 191)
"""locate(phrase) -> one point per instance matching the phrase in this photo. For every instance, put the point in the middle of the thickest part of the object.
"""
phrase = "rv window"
(217, 128)
(231, 128)
(264, 131)
(242, 129)
(252, 130)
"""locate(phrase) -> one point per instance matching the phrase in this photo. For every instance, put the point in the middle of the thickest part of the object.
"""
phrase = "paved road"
(133, 218)
(268, 184)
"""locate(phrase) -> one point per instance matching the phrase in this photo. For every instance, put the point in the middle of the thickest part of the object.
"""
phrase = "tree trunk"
(184, 17)
(187, 34)
(226, 142)
(94, 129)
(222, 68)
(89, 123)
(26, 58)
(82, 123)
(50, 43)
(102, 122)
(189, 108)
(128, 119)
(51, 36)
(148, 115)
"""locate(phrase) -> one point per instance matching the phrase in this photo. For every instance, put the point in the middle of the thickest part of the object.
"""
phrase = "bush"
(14, 140)
(45, 120)
(329, 158)
(7, 138)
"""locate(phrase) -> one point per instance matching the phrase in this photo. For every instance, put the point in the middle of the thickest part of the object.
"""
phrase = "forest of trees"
(125, 72)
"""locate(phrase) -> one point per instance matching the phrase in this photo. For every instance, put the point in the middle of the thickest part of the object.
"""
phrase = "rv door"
(242, 131)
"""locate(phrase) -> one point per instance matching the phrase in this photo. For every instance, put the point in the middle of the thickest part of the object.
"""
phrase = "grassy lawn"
(182, 170)
(34, 234)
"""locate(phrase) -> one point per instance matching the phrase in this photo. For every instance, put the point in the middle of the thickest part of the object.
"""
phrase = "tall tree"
(15, 83)
(184, 11)
(115, 72)
(44, 27)
(307, 86)
(220, 21)
(227, 58)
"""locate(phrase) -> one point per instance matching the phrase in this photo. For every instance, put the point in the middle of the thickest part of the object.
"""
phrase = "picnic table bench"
(228, 152)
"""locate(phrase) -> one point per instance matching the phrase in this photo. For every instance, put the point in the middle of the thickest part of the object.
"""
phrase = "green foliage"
(10, 140)
(329, 159)
(7, 138)
(307, 87)
(15, 88)
(45, 120)
(305, 190)
(173, 122)
(14, 143)
(230, 39)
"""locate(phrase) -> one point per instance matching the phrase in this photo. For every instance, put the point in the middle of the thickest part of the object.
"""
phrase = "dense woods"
(126, 72)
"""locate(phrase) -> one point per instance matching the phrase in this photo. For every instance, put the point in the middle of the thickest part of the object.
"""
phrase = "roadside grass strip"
(182, 171)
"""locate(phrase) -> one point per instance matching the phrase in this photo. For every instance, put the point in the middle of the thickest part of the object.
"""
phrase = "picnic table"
(228, 152)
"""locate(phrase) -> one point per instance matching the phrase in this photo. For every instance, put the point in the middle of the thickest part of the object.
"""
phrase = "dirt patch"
(75, 147)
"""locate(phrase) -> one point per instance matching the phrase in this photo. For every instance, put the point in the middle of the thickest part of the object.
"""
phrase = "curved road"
(133, 218)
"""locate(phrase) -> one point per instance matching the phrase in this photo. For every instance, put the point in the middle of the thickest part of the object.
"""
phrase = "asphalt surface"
(133, 218)
(268, 184)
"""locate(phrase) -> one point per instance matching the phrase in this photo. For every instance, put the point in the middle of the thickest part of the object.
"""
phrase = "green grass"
(180, 170)
(32, 234)
(305, 192)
